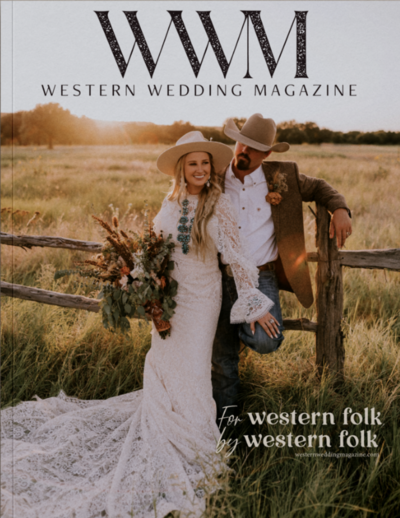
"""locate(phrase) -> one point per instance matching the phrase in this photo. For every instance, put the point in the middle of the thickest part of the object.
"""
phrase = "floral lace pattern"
(152, 451)
(251, 304)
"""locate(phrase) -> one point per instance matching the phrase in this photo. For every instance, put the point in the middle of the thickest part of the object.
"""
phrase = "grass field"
(46, 348)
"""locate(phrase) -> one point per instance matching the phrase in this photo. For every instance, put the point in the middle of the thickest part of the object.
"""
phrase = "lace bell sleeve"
(252, 304)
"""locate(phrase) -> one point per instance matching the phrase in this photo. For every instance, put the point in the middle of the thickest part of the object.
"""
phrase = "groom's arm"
(318, 190)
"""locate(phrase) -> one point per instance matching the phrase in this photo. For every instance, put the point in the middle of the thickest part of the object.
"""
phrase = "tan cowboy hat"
(189, 143)
(257, 132)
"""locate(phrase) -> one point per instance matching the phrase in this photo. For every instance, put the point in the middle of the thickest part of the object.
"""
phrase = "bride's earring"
(208, 183)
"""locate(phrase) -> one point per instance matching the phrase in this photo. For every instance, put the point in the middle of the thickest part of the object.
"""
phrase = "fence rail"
(49, 297)
(330, 350)
(79, 302)
(374, 259)
(50, 242)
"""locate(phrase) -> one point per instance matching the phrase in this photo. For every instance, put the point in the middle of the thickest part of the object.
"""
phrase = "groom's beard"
(243, 162)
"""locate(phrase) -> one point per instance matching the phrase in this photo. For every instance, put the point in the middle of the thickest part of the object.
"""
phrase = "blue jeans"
(225, 357)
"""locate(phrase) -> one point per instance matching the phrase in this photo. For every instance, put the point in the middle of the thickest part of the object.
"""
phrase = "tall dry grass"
(47, 348)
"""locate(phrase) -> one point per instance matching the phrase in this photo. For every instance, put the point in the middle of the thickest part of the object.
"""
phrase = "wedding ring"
(271, 321)
(347, 233)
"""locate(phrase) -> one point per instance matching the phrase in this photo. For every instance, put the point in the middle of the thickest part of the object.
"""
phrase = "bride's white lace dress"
(152, 451)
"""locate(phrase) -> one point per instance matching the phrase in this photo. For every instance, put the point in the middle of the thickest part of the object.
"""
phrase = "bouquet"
(134, 274)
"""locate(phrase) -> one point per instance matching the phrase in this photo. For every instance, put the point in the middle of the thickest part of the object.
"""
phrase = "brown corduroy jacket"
(288, 221)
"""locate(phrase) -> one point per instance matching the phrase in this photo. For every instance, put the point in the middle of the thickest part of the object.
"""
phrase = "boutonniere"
(275, 188)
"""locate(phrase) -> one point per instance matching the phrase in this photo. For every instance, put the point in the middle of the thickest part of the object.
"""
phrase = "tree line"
(50, 124)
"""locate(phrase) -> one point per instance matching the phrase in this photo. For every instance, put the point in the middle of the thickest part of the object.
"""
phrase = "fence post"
(329, 299)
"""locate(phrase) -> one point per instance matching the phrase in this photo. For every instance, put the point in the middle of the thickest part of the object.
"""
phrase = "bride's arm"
(252, 304)
(159, 218)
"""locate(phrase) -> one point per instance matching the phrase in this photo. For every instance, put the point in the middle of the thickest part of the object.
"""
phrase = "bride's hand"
(269, 323)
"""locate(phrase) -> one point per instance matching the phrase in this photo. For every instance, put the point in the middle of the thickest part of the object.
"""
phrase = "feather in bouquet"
(134, 274)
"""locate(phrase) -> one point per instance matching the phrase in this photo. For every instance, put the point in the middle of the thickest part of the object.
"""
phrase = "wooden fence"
(329, 297)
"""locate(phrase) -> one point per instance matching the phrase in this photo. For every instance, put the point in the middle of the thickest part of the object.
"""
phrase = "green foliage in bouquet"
(142, 301)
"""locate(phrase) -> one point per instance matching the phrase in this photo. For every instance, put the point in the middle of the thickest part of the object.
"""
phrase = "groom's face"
(247, 157)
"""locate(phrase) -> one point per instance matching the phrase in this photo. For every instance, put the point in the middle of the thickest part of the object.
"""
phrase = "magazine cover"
(200, 259)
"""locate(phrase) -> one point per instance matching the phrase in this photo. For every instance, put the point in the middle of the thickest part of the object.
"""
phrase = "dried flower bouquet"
(134, 274)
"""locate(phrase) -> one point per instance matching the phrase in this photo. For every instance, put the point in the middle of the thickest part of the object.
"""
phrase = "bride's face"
(197, 169)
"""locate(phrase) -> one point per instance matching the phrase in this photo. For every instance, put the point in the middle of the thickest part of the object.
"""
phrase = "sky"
(348, 43)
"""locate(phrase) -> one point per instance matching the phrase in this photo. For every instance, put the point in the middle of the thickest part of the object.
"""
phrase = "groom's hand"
(270, 325)
(341, 226)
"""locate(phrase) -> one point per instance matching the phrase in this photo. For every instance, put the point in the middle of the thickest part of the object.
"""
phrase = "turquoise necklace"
(183, 228)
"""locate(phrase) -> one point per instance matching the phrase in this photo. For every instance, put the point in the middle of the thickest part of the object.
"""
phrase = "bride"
(153, 451)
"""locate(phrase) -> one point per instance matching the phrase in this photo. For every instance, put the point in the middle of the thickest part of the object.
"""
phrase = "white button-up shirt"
(254, 213)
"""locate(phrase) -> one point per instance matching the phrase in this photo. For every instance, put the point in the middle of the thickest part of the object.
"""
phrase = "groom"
(268, 197)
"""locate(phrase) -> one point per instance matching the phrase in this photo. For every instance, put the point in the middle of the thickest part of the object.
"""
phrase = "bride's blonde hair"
(208, 198)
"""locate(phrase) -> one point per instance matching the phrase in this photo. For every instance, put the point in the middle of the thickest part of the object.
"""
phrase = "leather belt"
(267, 266)
(264, 267)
